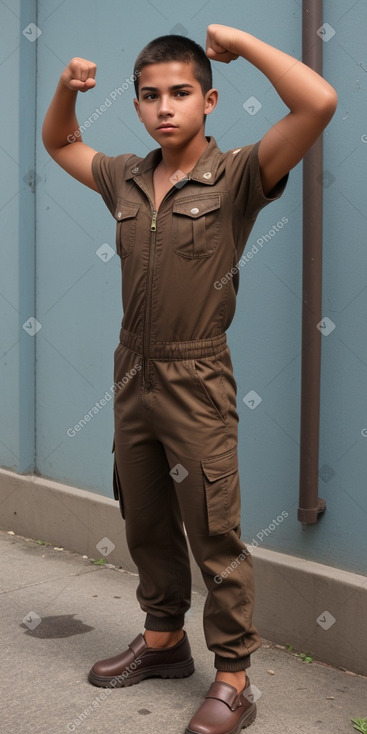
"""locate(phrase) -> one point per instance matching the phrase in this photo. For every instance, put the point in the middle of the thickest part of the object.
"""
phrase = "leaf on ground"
(360, 724)
(100, 562)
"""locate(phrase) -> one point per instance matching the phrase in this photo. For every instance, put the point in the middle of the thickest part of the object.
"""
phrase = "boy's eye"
(179, 92)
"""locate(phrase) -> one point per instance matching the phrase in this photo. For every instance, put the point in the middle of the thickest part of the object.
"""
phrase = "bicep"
(76, 159)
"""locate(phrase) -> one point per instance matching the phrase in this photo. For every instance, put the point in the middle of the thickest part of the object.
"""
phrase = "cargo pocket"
(125, 215)
(196, 226)
(209, 378)
(222, 490)
(117, 491)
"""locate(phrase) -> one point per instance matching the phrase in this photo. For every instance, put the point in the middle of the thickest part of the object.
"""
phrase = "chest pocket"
(196, 226)
(125, 215)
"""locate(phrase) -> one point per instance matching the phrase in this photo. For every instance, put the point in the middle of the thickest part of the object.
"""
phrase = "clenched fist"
(221, 43)
(79, 75)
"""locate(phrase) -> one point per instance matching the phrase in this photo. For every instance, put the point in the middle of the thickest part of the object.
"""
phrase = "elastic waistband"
(175, 350)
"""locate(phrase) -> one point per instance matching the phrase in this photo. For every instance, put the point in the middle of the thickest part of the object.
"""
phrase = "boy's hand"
(220, 43)
(79, 75)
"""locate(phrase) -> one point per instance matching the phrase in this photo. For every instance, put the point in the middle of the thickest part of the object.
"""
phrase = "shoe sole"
(179, 670)
(247, 719)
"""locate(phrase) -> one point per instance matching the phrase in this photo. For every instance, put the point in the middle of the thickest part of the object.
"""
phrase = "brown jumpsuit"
(175, 433)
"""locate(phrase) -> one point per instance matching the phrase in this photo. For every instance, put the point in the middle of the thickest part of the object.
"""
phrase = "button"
(195, 210)
(207, 175)
(135, 170)
(119, 215)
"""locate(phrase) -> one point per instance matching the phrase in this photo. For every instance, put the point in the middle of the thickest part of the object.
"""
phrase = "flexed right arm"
(61, 125)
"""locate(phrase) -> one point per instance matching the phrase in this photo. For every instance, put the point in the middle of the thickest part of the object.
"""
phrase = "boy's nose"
(165, 107)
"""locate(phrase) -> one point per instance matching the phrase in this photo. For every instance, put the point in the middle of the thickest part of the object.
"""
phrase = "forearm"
(300, 88)
(60, 121)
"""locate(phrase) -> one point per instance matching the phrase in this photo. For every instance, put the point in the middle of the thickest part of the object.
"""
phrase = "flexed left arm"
(311, 99)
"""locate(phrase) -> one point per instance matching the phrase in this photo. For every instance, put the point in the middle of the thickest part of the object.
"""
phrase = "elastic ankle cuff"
(164, 624)
(232, 666)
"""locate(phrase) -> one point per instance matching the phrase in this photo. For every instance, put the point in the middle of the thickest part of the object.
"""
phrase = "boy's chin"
(174, 140)
(166, 140)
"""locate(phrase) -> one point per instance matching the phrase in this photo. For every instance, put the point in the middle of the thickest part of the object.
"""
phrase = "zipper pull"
(153, 225)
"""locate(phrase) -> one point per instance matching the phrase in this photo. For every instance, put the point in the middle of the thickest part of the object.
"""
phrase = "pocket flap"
(221, 465)
(195, 208)
(126, 210)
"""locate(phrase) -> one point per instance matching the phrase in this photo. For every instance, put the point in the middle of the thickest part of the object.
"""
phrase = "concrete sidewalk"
(89, 612)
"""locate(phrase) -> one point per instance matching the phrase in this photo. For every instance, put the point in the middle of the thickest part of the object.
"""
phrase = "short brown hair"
(175, 48)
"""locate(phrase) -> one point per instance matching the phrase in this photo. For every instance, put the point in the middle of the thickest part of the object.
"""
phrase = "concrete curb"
(316, 608)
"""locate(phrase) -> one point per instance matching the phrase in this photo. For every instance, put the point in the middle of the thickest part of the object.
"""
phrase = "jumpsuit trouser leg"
(176, 463)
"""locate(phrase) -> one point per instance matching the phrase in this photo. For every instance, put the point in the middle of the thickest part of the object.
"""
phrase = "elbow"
(332, 100)
(45, 145)
(51, 144)
(323, 109)
(45, 140)
(43, 136)
(328, 104)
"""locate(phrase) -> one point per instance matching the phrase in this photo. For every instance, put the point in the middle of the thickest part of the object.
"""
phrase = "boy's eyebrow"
(174, 87)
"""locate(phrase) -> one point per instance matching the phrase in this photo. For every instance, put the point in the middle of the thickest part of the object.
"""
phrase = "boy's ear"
(211, 99)
(137, 107)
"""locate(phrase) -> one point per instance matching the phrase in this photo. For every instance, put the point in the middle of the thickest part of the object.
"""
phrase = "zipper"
(153, 226)
(148, 293)
(149, 283)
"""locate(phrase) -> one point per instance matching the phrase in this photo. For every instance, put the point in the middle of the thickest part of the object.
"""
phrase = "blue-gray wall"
(51, 228)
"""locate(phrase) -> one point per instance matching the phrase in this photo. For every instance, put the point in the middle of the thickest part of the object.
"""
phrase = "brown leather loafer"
(224, 711)
(140, 661)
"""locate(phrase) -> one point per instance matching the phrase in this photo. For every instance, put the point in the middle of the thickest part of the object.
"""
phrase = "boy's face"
(171, 103)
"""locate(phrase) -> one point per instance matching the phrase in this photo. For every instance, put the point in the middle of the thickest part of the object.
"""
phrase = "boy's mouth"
(166, 126)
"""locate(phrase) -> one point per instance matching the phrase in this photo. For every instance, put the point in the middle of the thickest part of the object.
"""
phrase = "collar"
(205, 170)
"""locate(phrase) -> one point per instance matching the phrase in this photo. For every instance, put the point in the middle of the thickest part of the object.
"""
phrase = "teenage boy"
(184, 214)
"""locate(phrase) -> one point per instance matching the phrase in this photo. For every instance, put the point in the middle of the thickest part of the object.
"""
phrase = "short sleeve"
(103, 174)
(244, 181)
(108, 173)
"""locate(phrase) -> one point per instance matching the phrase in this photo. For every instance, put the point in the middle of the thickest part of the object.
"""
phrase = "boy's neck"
(183, 158)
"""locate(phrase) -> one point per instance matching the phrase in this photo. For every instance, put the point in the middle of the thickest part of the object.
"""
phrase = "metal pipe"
(310, 505)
